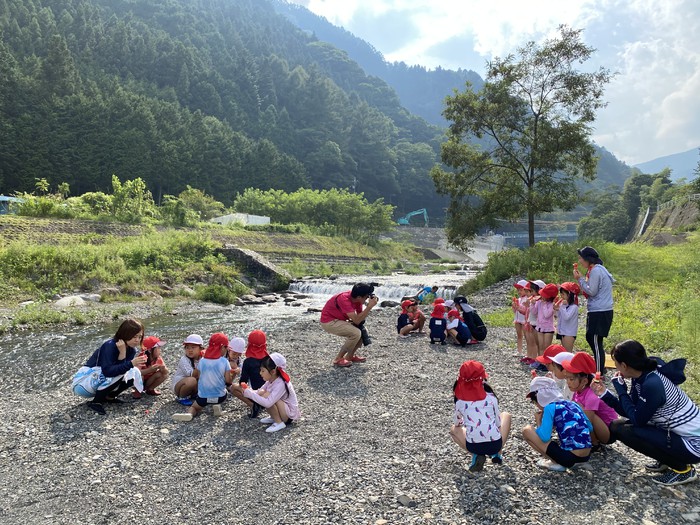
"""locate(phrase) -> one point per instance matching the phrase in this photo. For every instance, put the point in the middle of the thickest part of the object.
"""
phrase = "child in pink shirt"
(277, 395)
(545, 315)
(580, 373)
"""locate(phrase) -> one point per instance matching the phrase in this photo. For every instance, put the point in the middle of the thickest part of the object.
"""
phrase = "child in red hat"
(255, 352)
(153, 371)
(479, 426)
(214, 376)
(519, 306)
(410, 319)
(458, 329)
(438, 324)
(580, 373)
(566, 308)
(544, 309)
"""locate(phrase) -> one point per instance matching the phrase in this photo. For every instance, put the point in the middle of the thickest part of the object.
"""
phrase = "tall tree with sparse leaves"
(533, 121)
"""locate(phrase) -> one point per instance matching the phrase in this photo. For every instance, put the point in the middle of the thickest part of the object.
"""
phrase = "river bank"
(371, 447)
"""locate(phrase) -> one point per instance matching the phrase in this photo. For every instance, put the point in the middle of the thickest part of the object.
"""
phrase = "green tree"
(533, 120)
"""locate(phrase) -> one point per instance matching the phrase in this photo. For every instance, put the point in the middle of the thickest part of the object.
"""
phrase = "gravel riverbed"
(372, 447)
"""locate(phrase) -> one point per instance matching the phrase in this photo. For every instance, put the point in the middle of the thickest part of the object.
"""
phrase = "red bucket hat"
(257, 345)
(573, 288)
(549, 352)
(550, 291)
(470, 384)
(152, 341)
(581, 363)
(216, 341)
(438, 311)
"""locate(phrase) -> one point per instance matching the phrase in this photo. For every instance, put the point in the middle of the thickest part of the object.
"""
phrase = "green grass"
(656, 294)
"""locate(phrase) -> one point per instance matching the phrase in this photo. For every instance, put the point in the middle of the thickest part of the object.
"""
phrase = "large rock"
(270, 276)
(71, 300)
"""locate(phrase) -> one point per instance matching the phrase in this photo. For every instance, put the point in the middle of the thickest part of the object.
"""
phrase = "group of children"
(205, 376)
(580, 419)
(535, 308)
(446, 321)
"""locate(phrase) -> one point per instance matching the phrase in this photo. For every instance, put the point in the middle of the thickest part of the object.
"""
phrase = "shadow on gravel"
(340, 382)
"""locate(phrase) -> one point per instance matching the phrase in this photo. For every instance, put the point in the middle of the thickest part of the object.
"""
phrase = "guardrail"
(678, 200)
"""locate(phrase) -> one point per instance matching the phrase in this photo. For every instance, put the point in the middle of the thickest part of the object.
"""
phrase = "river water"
(47, 358)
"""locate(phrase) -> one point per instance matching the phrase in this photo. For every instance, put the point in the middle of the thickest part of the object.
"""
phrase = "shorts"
(485, 448)
(559, 337)
(204, 401)
(565, 458)
(599, 323)
(541, 332)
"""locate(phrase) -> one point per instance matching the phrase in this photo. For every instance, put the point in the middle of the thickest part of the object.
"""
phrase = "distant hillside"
(420, 90)
(681, 165)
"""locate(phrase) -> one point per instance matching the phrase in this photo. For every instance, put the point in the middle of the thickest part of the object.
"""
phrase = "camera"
(364, 334)
(372, 296)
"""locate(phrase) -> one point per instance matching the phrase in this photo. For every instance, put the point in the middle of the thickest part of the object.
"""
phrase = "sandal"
(358, 359)
(342, 363)
(136, 394)
(153, 392)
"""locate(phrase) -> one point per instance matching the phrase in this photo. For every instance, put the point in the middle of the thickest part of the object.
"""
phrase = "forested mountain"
(421, 91)
(220, 95)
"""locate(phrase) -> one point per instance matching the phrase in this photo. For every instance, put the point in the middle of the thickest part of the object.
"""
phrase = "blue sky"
(654, 100)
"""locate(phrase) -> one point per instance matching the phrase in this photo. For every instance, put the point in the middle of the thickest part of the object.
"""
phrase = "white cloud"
(653, 105)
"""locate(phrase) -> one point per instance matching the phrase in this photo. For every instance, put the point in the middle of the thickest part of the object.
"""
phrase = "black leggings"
(113, 390)
(657, 443)
(596, 343)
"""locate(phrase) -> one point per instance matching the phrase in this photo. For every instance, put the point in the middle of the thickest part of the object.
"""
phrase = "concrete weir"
(267, 276)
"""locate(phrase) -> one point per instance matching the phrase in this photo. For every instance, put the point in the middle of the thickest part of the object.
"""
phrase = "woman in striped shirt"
(662, 421)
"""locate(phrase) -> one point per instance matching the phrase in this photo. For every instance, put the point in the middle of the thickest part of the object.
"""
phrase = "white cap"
(522, 283)
(449, 303)
(279, 360)
(561, 357)
(237, 344)
(193, 339)
(540, 283)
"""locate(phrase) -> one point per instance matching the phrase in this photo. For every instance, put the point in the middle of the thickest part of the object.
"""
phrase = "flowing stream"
(47, 358)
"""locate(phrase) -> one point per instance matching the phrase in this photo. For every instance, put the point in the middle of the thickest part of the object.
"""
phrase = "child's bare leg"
(601, 431)
(406, 329)
(186, 387)
(195, 409)
(459, 436)
(531, 341)
(156, 379)
(237, 392)
(519, 337)
(532, 439)
(505, 427)
(278, 412)
(567, 342)
(546, 340)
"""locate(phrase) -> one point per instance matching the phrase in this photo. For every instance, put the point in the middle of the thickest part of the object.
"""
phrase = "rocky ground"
(372, 447)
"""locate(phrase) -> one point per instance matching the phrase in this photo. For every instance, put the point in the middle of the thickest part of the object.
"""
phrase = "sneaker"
(218, 412)
(496, 459)
(275, 427)
(358, 359)
(186, 401)
(656, 466)
(97, 407)
(182, 417)
(267, 420)
(673, 477)
(477, 463)
(551, 465)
